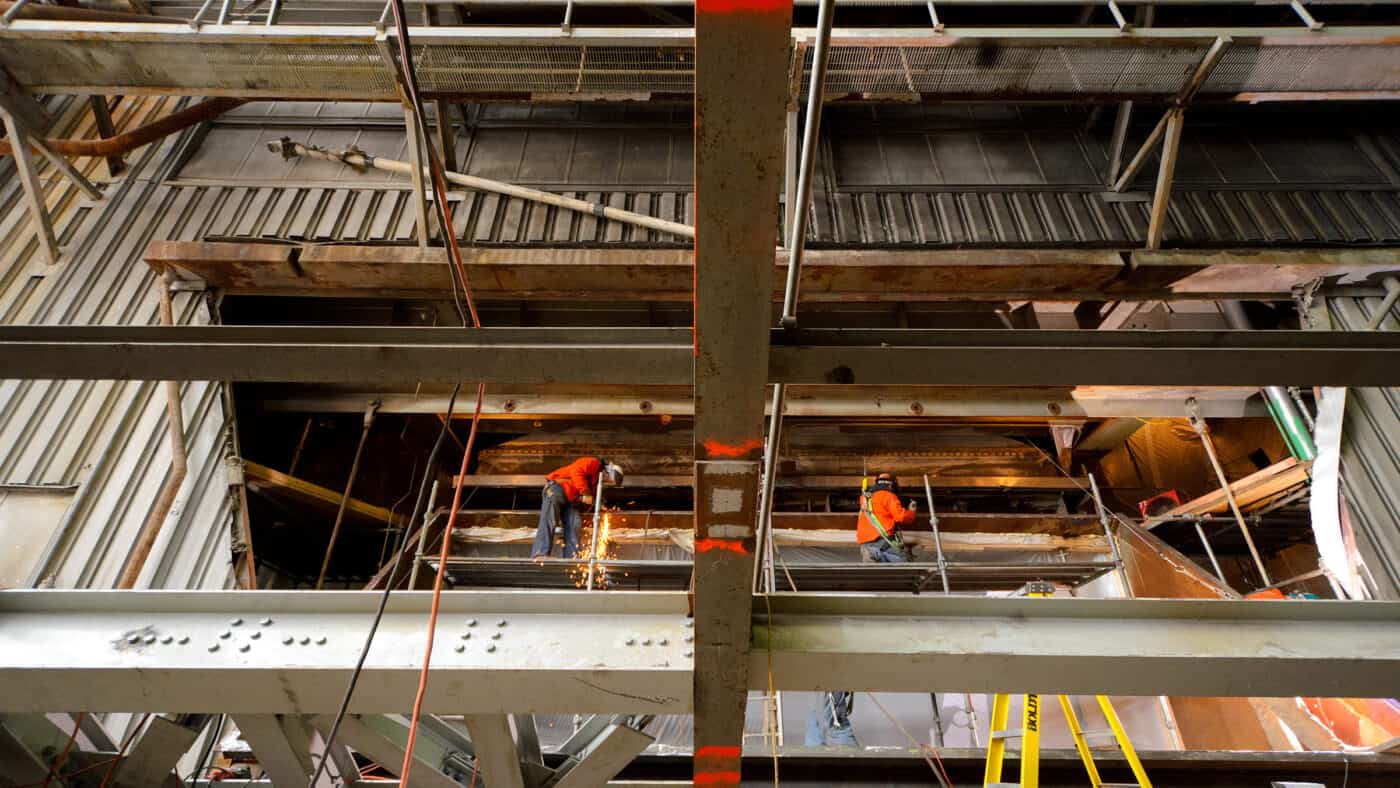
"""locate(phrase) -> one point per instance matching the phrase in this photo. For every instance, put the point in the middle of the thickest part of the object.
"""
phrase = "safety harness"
(865, 496)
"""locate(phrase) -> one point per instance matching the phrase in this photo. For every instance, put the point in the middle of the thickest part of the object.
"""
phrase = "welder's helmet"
(887, 481)
(614, 473)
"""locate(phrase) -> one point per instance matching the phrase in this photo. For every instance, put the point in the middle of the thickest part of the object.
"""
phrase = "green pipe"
(1290, 422)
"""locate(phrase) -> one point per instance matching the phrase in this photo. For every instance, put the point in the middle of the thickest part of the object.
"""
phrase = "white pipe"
(361, 160)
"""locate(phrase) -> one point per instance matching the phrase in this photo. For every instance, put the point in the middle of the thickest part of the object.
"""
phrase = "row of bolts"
(321, 641)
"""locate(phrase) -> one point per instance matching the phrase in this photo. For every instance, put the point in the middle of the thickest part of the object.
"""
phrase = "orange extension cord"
(437, 592)
(435, 169)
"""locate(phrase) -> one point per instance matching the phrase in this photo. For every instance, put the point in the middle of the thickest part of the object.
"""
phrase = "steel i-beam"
(114, 655)
(742, 55)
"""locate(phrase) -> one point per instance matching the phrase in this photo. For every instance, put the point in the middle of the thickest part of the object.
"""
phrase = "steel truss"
(642, 357)
(565, 652)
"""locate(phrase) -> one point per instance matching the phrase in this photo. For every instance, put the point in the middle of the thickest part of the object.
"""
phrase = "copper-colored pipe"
(73, 14)
(129, 141)
(179, 461)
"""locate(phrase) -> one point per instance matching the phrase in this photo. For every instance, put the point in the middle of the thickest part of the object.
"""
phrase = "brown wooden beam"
(828, 275)
(266, 481)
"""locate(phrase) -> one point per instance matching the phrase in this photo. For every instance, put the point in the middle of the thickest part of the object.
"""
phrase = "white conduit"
(361, 160)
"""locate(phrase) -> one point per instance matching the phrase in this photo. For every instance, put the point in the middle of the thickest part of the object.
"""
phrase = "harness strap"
(875, 521)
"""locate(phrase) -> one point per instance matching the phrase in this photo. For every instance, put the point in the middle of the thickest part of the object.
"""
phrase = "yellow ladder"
(1029, 734)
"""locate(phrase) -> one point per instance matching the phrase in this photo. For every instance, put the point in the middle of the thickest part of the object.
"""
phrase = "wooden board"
(266, 481)
(836, 275)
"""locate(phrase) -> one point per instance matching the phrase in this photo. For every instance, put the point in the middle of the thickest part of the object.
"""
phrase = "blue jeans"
(555, 509)
(879, 551)
(829, 725)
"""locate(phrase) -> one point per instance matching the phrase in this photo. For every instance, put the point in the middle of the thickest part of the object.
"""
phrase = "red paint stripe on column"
(733, 546)
(717, 778)
(717, 751)
(742, 6)
(714, 448)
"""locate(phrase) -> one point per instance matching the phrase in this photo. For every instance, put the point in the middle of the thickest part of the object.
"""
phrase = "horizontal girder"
(641, 357)
(562, 652)
(350, 62)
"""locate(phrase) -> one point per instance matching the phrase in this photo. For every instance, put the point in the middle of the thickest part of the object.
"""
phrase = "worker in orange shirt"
(881, 515)
(566, 490)
(877, 531)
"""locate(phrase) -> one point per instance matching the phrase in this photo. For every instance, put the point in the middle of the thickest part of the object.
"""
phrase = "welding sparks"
(606, 551)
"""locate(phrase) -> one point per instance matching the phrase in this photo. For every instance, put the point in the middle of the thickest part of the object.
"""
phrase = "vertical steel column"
(742, 57)
(106, 130)
(33, 189)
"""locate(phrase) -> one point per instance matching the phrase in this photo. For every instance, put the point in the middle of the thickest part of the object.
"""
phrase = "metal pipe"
(1296, 394)
(1198, 423)
(14, 11)
(796, 230)
(765, 496)
(179, 460)
(345, 497)
(810, 134)
(597, 526)
(428, 514)
(1201, 532)
(198, 17)
(937, 538)
(132, 139)
(1108, 534)
(1290, 422)
(360, 160)
(1392, 294)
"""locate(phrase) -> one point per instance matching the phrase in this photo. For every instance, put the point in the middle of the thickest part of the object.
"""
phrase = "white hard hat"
(614, 472)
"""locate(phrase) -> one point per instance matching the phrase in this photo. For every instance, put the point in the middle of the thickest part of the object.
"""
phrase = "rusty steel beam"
(742, 55)
(112, 144)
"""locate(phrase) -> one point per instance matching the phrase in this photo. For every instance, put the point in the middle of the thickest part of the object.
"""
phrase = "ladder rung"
(1119, 785)
(1003, 785)
(1010, 733)
(1087, 734)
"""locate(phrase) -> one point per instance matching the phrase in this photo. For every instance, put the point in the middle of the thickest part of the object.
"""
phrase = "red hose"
(63, 756)
(437, 590)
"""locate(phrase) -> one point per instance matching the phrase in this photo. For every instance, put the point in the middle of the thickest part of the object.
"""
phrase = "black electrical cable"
(388, 588)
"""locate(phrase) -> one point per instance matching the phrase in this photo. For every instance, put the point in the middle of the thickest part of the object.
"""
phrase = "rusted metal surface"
(131, 139)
